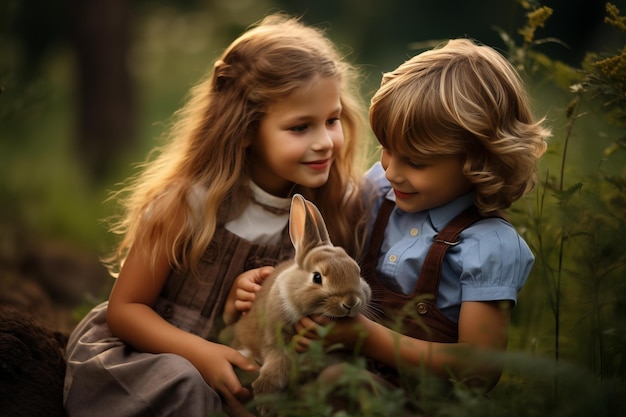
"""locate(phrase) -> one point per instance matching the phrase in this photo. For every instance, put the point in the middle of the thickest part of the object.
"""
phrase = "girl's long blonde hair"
(207, 144)
(465, 100)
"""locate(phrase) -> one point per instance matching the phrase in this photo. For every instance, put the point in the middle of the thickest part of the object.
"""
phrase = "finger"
(321, 320)
(307, 323)
(233, 407)
(243, 395)
(231, 390)
(247, 294)
(262, 273)
(242, 362)
(302, 344)
(298, 327)
(243, 306)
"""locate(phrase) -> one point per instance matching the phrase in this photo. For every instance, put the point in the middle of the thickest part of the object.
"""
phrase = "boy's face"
(424, 184)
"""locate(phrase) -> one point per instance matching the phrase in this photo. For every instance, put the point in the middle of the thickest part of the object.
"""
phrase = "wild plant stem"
(570, 128)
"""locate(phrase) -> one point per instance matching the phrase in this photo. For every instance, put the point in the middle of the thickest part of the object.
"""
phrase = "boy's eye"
(415, 164)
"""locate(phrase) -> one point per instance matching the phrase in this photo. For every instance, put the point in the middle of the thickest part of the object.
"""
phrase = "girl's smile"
(319, 165)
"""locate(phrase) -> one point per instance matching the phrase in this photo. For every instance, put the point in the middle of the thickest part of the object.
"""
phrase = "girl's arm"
(131, 318)
(483, 328)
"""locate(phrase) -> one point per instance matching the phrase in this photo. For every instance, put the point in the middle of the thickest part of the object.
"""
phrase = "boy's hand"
(344, 330)
(243, 292)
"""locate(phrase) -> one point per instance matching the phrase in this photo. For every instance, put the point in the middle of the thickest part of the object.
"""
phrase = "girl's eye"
(317, 278)
(299, 128)
(333, 121)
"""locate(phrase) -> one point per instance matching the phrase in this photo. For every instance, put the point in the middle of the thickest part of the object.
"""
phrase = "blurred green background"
(88, 88)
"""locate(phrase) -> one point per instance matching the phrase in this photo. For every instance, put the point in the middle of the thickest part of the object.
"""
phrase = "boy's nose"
(392, 171)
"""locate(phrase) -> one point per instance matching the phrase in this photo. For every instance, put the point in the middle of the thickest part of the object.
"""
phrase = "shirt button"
(422, 308)
(393, 258)
(414, 232)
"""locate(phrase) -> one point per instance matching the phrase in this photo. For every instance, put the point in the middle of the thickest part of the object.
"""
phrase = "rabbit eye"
(317, 277)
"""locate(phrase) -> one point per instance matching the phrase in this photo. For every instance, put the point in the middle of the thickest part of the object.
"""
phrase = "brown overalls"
(417, 313)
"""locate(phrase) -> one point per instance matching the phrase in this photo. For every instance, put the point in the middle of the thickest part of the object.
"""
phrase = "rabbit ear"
(306, 226)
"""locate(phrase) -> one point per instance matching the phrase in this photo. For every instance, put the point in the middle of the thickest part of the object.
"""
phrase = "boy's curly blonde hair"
(464, 100)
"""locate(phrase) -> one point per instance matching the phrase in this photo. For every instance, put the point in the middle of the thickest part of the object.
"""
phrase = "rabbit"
(321, 279)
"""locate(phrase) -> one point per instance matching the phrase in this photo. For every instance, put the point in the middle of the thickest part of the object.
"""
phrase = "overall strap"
(428, 282)
(378, 232)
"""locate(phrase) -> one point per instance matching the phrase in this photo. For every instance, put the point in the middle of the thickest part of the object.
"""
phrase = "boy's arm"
(483, 329)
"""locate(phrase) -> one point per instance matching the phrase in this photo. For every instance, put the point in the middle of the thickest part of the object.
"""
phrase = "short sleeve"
(495, 262)
(374, 188)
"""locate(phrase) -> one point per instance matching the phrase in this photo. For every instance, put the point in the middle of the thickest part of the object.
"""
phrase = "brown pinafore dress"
(105, 377)
(416, 314)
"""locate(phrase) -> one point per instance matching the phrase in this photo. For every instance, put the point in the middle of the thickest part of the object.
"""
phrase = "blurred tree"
(99, 33)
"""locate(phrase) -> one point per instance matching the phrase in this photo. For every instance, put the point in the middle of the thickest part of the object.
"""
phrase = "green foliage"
(576, 225)
(568, 345)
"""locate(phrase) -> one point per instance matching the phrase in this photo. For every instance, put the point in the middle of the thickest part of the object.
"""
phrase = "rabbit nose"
(350, 306)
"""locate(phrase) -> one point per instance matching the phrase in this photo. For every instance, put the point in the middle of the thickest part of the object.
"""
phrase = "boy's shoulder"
(494, 234)
(375, 186)
(375, 179)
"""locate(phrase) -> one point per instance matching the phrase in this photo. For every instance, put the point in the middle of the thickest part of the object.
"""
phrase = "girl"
(459, 145)
(277, 115)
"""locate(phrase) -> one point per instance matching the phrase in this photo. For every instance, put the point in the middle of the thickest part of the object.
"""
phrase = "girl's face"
(424, 184)
(298, 139)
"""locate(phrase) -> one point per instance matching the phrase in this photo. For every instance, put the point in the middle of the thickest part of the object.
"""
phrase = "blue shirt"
(491, 263)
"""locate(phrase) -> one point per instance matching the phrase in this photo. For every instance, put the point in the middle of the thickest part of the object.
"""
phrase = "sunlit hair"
(208, 143)
(463, 100)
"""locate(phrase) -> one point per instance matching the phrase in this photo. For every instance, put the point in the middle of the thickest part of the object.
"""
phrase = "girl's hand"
(346, 330)
(243, 292)
(217, 369)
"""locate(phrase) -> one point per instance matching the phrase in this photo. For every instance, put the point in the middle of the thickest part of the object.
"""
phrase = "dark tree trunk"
(105, 99)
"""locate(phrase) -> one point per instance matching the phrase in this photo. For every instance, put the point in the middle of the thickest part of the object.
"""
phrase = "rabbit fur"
(322, 279)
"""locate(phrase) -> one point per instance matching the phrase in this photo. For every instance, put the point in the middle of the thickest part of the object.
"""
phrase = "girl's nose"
(323, 141)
